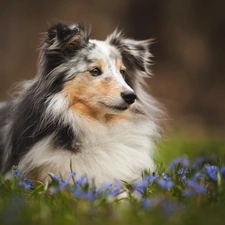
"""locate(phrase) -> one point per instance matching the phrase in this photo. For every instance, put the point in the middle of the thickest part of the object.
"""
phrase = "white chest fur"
(122, 152)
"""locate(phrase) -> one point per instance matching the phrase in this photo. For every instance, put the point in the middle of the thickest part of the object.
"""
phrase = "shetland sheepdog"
(85, 110)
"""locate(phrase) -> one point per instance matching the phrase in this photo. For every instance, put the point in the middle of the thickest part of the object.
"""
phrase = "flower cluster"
(111, 190)
(183, 174)
(141, 185)
(190, 180)
(25, 183)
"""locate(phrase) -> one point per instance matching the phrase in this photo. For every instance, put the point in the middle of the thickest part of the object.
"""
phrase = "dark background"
(189, 49)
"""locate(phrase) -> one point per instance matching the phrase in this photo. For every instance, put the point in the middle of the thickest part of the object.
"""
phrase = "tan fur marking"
(119, 65)
(99, 64)
(80, 95)
(89, 96)
(76, 37)
(78, 102)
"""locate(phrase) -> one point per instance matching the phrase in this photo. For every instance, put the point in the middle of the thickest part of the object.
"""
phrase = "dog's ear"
(135, 55)
(62, 32)
(61, 42)
(67, 38)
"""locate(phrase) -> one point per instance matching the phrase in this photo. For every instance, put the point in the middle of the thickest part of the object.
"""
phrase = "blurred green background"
(189, 50)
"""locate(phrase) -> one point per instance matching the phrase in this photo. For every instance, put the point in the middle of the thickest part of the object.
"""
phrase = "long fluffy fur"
(56, 120)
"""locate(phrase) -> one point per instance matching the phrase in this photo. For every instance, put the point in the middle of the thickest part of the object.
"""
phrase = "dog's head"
(97, 77)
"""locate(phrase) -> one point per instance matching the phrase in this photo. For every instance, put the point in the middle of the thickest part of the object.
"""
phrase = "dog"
(86, 110)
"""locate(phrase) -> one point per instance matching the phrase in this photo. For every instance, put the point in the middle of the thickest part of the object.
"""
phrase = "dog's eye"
(96, 72)
(123, 72)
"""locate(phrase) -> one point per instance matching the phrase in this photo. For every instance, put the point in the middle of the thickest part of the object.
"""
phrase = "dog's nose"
(128, 96)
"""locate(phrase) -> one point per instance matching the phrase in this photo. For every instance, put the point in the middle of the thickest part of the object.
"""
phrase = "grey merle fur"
(22, 120)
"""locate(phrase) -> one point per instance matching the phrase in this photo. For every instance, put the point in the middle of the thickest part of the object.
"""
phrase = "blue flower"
(148, 203)
(84, 194)
(169, 207)
(26, 183)
(81, 181)
(61, 183)
(141, 184)
(199, 176)
(223, 172)
(194, 188)
(165, 184)
(182, 175)
(116, 189)
(16, 173)
(211, 171)
(180, 160)
(111, 190)
(79, 190)
(114, 192)
(183, 171)
(150, 178)
(200, 160)
(89, 195)
(183, 179)
(71, 174)
(165, 176)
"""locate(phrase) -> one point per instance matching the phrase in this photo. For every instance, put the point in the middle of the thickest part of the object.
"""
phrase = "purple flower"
(199, 176)
(150, 178)
(84, 194)
(16, 173)
(223, 172)
(116, 189)
(165, 184)
(165, 176)
(141, 185)
(169, 207)
(89, 195)
(114, 192)
(26, 183)
(81, 181)
(79, 190)
(200, 160)
(180, 160)
(194, 188)
(183, 171)
(183, 179)
(71, 174)
(148, 203)
(61, 183)
(182, 175)
(211, 171)
(111, 190)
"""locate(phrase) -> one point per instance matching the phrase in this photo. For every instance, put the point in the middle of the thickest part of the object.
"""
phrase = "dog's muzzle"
(128, 96)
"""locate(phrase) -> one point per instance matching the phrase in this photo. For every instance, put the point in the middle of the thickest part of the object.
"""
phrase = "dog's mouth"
(115, 107)
(118, 107)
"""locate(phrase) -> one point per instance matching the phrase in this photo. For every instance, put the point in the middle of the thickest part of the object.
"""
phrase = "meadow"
(188, 187)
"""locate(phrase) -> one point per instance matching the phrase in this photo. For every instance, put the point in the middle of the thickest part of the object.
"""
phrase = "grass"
(168, 197)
